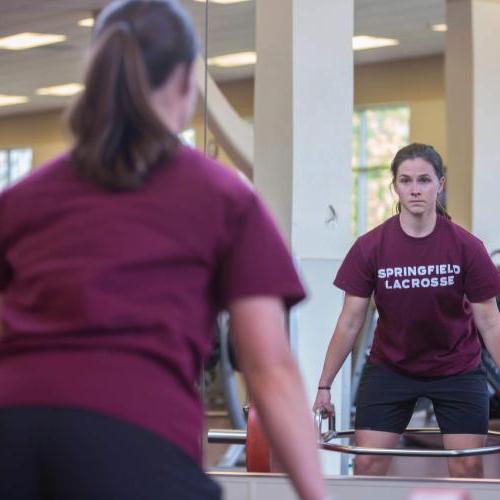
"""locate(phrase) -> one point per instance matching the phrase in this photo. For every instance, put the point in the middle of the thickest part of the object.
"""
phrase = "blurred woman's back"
(115, 258)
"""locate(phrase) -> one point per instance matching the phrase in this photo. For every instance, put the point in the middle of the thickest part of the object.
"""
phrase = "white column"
(303, 128)
(473, 103)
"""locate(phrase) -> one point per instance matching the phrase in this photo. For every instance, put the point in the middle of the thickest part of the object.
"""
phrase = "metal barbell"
(231, 436)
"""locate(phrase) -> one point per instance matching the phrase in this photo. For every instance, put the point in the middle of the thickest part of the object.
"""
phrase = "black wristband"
(324, 387)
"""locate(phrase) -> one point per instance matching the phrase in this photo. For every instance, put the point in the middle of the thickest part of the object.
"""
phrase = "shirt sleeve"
(481, 278)
(355, 276)
(256, 261)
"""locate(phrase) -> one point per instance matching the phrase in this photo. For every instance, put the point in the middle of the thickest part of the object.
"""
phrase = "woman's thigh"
(385, 401)
(461, 403)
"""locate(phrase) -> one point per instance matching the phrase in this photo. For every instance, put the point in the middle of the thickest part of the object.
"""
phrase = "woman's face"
(191, 95)
(174, 101)
(417, 187)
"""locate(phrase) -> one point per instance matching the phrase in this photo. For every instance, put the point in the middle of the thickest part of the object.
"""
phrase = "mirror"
(390, 110)
(399, 97)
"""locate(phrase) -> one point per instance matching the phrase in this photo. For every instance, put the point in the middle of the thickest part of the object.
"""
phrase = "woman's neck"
(417, 226)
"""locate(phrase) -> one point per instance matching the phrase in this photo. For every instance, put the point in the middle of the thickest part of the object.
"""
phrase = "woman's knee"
(369, 465)
(465, 467)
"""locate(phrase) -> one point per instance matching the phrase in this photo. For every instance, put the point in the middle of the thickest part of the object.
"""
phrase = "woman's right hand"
(323, 402)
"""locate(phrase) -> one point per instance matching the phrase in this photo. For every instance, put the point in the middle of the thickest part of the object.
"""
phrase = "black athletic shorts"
(71, 454)
(386, 400)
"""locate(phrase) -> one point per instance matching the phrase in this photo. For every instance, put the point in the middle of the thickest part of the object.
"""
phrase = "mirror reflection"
(386, 118)
(420, 346)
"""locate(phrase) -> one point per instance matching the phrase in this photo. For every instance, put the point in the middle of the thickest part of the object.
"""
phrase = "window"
(14, 164)
(378, 133)
(188, 137)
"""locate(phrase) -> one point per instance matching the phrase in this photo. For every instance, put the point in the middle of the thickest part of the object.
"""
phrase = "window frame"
(361, 170)
(8, 179)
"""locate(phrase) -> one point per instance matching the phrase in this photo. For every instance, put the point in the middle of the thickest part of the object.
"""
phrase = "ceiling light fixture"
(225, 2)
(88, 22)
(442, 28)
(366, 42)
(24, 41)
(10, 100)
(233, 60)
(65, 90)
(249, 58)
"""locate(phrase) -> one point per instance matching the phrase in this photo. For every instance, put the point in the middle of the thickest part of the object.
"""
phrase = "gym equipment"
(259, 453)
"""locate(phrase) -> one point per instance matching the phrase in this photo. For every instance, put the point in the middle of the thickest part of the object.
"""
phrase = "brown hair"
(118, 137)
(431, 156)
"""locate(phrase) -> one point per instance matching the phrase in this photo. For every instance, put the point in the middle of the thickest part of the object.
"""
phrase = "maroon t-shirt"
(422, 288)
(110, 299)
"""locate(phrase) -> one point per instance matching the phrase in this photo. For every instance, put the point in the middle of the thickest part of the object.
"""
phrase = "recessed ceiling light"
(61, 90)
(10, 100)
(222, 1)
(88, 22)
(365, 42)
(233, 60)
(24, 41)
(439, 27)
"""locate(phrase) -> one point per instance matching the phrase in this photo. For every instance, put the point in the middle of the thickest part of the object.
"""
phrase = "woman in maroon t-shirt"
(115, 259)
(433, 283)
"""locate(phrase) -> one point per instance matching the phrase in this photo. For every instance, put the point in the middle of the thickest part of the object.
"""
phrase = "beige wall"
(428, 124)
(43, 132)
(403, 81)
(241, 95)
(416, 82)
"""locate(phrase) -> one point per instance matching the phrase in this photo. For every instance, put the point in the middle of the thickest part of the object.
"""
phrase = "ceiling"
(231, 29)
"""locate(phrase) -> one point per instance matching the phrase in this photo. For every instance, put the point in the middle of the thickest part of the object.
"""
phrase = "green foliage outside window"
(378, 133)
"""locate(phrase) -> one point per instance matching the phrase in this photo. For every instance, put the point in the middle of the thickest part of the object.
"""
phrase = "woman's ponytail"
(118, 137)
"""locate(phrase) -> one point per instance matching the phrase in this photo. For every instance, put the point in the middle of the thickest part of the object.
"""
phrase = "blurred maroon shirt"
(110, 299)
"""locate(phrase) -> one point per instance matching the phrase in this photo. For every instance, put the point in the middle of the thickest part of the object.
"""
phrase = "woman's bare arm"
(348, 326)
(275, 385)
(487, 320)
